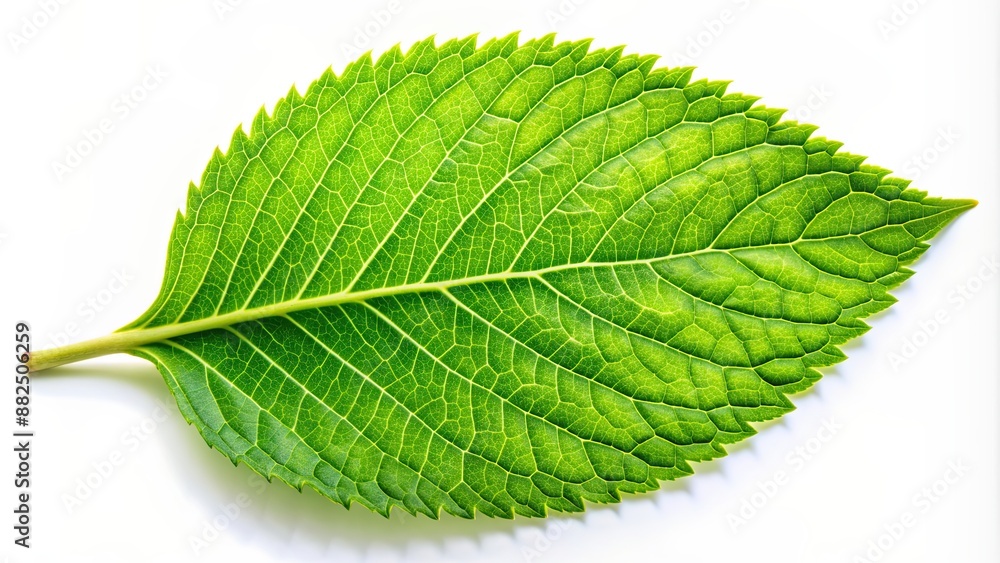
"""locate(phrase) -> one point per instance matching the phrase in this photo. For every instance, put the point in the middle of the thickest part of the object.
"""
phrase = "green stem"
(110, 344)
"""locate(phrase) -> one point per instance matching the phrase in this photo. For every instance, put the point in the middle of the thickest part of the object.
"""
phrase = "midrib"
(126, 340)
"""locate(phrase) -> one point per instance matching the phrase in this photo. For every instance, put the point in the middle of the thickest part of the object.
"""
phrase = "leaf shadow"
(279, 520)
(276, 516)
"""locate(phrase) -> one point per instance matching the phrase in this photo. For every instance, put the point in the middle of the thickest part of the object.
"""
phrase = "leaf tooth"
(580, 49)
(614, 55)
(418, 46)
(393, 55)
(646, 63)
(816, 145)
(615, 494)
(447, 46)
(509, 42)
(785, 402)
(546, 42)
(179, 215)
(695, 90)
(454, 45)
(312, 92)
(594, 59)
(470, 39)
(903, 274)
(718, 87)
(790, 133)
(666, 77)
(962, 204)
(435, 513)
(855, 159)
(745, 425)
(193, 198)
(576, 500)
(363, 63)
(400, 506)
(625, 62)
(382, 510)
(833, 146)
(328, 77)
(828, 146)
(683, 466)
(876, 170)
(293, 97)
(424, 509)
(684, 76)
(768, 115)
(486, 45)
(257, 126)
(747, 99)
(238, 141)
(823, 144)
(630, 62)
(900, 183)
(467, 44)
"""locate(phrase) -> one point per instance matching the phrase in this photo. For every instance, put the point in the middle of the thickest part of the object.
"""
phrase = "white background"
(893, 84)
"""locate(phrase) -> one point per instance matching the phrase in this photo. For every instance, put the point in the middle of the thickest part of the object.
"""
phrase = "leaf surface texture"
(517, 277)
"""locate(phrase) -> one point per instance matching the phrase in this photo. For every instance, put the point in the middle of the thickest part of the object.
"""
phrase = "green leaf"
(514, 278)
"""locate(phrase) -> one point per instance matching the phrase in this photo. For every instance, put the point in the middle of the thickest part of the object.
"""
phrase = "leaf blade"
(610, 272)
